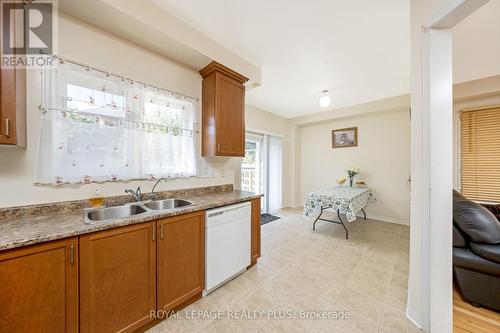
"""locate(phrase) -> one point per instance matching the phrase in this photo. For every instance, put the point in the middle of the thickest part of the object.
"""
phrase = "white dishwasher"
(227, 239)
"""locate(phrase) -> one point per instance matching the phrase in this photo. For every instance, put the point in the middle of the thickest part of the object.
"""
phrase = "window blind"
(480, 154)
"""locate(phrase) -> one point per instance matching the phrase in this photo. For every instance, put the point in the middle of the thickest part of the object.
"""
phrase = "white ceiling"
(357, 49)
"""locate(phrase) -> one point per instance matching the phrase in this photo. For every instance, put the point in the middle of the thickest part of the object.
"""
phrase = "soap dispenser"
(96, 200)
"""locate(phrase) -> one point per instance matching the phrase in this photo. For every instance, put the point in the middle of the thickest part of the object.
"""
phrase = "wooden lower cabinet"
(118, 278)
(181, 259)
(39, 288)
(108, 281)
(255, 231)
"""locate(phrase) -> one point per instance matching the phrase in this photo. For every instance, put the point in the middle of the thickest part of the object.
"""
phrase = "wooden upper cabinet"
(118, 278)
(223, 111)
(181, 259)
(255, 231)
(39, 288)
(13, 107)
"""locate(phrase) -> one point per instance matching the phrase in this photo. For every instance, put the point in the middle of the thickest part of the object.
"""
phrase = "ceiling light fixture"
(325, 100)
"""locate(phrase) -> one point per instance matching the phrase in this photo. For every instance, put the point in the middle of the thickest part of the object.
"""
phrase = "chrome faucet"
(152, 196)
(136, 194)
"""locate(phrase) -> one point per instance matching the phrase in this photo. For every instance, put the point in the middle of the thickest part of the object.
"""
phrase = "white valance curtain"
(100, 127)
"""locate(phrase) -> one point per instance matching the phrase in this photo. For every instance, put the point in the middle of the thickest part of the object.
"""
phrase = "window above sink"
(96, 126)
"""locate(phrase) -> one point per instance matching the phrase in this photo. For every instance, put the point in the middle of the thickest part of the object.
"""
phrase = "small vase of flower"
(351, 172)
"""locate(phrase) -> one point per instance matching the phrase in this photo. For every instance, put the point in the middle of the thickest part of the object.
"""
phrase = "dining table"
(345, 200)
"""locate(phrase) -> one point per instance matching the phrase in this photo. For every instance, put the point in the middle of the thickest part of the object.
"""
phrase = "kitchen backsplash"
(68, 206)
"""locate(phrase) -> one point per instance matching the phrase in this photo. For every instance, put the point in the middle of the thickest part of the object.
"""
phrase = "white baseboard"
(292, 206)
(414, 318)
(385, 219)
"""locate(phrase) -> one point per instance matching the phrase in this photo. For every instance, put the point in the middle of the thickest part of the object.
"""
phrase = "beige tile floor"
(318, 272)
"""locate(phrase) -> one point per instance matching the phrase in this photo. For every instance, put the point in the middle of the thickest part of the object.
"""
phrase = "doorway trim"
(430, 281)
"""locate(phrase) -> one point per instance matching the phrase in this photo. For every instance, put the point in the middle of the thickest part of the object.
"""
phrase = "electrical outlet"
(222, 174)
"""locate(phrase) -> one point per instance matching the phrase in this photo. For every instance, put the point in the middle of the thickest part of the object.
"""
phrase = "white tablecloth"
(345, 199)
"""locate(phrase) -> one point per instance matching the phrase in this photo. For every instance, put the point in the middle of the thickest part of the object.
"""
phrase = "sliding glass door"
(252, 166)
(262, 169)
(274, 191)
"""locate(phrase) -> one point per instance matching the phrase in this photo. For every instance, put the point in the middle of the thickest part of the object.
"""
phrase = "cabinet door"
(7, 106)
(117, 278)
(39, 288)
(181, 259)
(255, 230)
(230, 117)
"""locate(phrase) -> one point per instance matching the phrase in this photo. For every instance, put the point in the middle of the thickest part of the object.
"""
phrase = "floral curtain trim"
(96, 127)
(347, 200)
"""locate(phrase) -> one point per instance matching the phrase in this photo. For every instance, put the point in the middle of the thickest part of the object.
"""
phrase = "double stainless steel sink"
(132, 209)
(167, 204)
(110, 213)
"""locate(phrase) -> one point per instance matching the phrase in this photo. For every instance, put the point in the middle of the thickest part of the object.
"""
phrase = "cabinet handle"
(218, 147)
(71, 254)
(154, 232)
(161, 231)
(7, 127)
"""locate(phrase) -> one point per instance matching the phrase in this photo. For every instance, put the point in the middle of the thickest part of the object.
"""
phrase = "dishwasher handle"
(216, 213)
(226, 210)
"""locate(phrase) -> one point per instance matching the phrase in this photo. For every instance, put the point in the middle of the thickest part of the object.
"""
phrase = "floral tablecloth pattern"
(347, 200)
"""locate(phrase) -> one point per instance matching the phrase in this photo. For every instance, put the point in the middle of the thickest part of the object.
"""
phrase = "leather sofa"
(476, 252)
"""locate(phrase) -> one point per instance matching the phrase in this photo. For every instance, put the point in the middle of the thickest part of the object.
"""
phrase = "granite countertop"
(21, 231)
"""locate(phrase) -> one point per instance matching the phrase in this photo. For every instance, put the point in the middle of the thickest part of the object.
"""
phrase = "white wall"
(80, 42)
(472, 94)
(383, 155)
(476, 44)
(421, 12)
(429, 289)
(261, 121)
(476, 67)
(395, 103)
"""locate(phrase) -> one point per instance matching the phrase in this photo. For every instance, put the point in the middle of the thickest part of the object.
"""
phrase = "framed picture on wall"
(345, 137)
